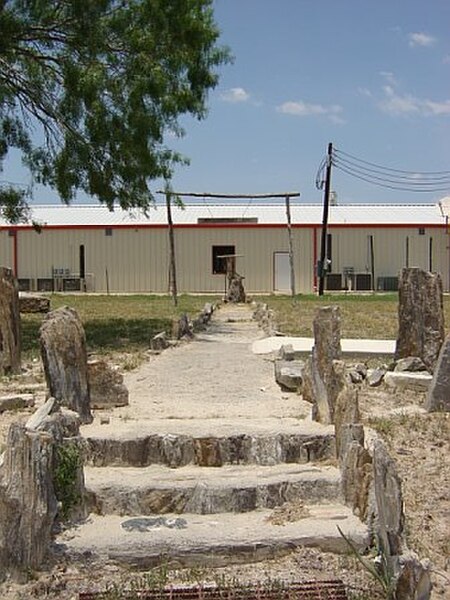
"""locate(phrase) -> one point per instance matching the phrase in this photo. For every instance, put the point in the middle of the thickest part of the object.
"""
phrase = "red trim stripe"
(233, 226)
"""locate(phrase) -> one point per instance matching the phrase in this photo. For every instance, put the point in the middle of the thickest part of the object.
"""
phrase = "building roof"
(236, 214)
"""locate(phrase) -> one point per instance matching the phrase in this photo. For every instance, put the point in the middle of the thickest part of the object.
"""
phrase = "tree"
(101, 84)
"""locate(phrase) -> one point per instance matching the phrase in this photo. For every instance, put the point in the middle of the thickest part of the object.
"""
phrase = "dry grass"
(373, 316)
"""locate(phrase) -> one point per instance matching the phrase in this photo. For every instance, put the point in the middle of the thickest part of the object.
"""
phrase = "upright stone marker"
(438, 398)
(28, 503)
(421, 316)
(63, 350)
(322, 381)
(9, 323)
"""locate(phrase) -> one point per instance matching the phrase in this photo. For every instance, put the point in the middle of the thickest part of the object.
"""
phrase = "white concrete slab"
(301, 344)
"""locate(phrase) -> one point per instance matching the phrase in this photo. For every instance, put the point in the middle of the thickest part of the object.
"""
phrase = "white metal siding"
(137, 259)
(6, 249)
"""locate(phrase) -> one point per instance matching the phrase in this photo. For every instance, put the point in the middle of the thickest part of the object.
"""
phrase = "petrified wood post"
(322, 380)
(420, 315)
(9, 323)
(63, 350)
(28, 503)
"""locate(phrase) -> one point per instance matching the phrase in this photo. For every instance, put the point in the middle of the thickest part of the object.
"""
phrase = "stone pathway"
(155, 486)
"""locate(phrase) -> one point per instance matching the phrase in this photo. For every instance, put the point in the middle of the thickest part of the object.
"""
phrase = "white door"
(282, 276)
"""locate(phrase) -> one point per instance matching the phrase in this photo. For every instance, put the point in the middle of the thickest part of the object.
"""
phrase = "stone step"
(210, 540)
(209, 443)
(160, 490)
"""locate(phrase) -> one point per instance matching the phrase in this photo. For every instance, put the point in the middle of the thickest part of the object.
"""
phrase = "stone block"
(406, 380)
(438, 398)
(159, 342)
(106, 385)
(33, 303)
(16, 402)
(375, 377)
(289, 373)
(411, 363)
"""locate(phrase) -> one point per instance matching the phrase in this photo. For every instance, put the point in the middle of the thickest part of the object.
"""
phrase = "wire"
(319, 176)
(385, 185)
(400, 182)
(395, 179)
(336, 151)
(416, 178)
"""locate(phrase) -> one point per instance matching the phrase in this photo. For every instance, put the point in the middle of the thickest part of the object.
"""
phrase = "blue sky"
(373, 77)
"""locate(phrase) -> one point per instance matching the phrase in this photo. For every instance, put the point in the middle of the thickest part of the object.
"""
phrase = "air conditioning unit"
(363, 282)
(333, 281)
(387, 284)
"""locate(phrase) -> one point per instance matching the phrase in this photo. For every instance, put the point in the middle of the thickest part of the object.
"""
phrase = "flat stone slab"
(236, 488)
(418, 381)
(210, 443)
(302, 345)
(212, 540)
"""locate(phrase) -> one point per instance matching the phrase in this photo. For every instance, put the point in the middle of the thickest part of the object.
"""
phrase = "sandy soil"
(419, 442)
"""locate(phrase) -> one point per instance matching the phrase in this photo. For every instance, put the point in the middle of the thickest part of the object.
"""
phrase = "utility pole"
(291, 247)
(172, 264)
(322, 265)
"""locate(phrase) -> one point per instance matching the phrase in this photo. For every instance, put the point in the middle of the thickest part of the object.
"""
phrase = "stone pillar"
(63, 351)
(41, 476)
(389, 502)
(420, 315)
(323, 379)
(10, 331)
(438, 398)
(28, 503)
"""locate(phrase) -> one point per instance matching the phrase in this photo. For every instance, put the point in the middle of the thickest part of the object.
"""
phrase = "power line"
(336, 151)
(415, 178)
(387, 185)
(386, 177)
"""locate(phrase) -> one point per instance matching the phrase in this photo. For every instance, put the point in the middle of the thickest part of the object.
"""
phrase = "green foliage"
(68, 463)
(106, 82)
(380, 570)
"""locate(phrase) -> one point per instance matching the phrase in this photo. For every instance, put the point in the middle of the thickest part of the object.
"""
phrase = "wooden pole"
(291, 248)
(326, 201)
(372, 262)
(172, 264)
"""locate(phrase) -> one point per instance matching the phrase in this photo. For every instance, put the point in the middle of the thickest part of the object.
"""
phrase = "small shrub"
(68, 463)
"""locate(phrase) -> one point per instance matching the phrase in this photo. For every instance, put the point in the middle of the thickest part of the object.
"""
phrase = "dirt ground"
(420, 444)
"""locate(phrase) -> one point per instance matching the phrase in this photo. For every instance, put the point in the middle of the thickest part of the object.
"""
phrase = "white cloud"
(303, 109)
(235, 95)
(437, 108)
(421, 39)
(397, 104)
(406, 104)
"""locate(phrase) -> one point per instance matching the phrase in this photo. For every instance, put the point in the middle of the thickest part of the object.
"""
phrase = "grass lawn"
(125, 324)
(115, 324)
(372, 316)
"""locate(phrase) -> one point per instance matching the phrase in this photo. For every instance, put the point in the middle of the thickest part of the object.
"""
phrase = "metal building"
(88, 247)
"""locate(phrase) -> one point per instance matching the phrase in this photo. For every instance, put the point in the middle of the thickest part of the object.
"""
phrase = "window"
(227, 220)
(219, 265)
(421, 230)
(108, 232)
